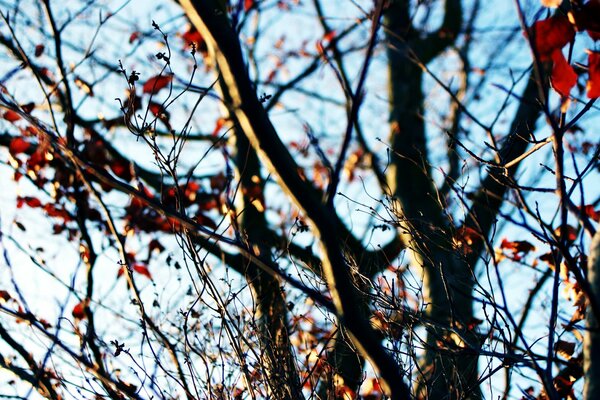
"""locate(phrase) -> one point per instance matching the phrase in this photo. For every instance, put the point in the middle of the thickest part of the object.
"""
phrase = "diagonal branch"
(214, 25)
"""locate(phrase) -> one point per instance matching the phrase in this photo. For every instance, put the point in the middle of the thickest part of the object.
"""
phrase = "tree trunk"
(591, 341)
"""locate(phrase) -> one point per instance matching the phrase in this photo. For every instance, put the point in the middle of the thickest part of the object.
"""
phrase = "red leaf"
(79, 310)
(563, 76)
(142, 270)
(28, 107)
(192, 36)
(134, 36)
(248, 4)
(551, 34)
(18, 145)
(218, 125)
(11, 116)
(39, 50)
(155, 245)
(32, 202)
(137, 267)
(204, 220)
(588, 18)
(155, 108)
(153, 85)
(591, 212)
(5, 296)
(570, 231)
(53, 211)
(122, 169)
(593, 84)
(518, 246)
(328, 37)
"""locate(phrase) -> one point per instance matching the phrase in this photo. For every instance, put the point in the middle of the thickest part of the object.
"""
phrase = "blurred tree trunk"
(449, 370)
(591, 342)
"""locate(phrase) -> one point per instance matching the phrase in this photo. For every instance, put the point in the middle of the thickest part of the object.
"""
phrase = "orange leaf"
(39, 50)
(134, 36)
(328, 37)
(218, 125)
(563, 76)
(551, 34)
(11, 116)
(122, 169)
(587, 18)
(518, 246)
(32, 202)
(569, 230)
(5, 296)
(192, 36)
(202, 219)
(154, 84)
(18, 145)
(591, 212)
(78, 311)
(142, 270)
(593, 84)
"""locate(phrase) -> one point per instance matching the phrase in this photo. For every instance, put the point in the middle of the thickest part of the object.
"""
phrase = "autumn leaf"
(564, 348)
(11, 116)
(134, 36)
(78, 311)
(587, 18)
(328, 37)
(593, 84)
(202, 219)
(551, 3)
(122, 169)
(591, 212)
(218, 125)
(563, 76)
(137, 267)
(32, 202)
(569, 230)
(4, 296)
(517, 246)
(248, 4)
(18, 145)
(156, 83)
(39, 50)
(192, 36)
(551, 34)
(142, 270)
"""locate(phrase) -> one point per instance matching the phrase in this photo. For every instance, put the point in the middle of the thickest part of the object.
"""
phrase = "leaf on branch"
(248, 4)
(18, 145)
(137, 267)
(551, 34)
(32, 202)
(563, 76)
(202, 219)
(156, 83)
(592, 213)
(39, 50)
(587, 18)
(78, 311)
(551, 3)
(142, 270)
(11, 116)
(4, 296)
(122, 169)
(564, 348)
(570, 231)
(593, 84)
(134, 36)
(193, 37)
